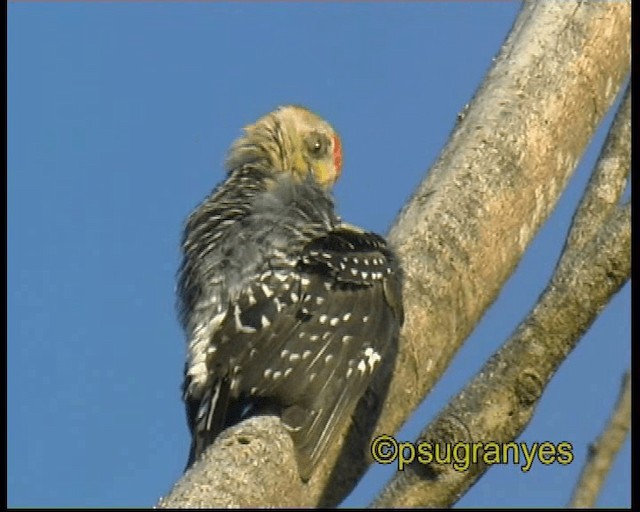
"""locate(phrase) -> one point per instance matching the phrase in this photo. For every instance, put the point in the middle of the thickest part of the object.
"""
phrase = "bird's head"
(290, 139)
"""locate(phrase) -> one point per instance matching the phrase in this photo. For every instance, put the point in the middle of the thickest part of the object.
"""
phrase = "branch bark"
(500, 401)
(603, 452)
(461, 235)
(262, 449)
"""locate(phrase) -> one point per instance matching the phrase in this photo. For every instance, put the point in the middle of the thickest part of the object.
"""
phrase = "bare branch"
(603, 452)
(498, 179)
(468, 224)
(559, 306)
(608, 180)
(500, 401)
(263, 449)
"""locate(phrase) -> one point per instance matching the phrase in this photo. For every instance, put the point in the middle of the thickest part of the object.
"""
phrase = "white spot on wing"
(281, 277)
(266, 290)
(372, 357)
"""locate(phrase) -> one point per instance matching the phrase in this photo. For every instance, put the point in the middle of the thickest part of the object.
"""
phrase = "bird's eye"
(317, 144)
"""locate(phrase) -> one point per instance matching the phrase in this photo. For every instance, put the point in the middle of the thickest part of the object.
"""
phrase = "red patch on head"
(337, 154)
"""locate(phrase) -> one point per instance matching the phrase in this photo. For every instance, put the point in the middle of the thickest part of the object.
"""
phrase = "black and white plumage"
(286, 309)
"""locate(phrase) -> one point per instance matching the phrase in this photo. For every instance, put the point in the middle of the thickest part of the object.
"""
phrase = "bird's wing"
(307, 335)
(354, 285)
(254, 325)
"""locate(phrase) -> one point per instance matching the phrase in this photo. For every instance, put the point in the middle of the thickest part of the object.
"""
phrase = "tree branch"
(462, 234)
(603, 452)
(499, 403)
(499, 178)
(263, 449)
(607, 181)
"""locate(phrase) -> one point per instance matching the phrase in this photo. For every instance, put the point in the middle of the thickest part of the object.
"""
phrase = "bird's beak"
(326, 174)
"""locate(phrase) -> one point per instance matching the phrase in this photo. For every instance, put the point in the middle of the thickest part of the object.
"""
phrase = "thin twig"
(603, 452)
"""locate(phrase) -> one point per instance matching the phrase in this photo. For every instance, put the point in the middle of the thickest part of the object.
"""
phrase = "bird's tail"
(206, 417)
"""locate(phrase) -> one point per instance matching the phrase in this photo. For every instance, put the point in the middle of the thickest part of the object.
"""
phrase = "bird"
(286, 309)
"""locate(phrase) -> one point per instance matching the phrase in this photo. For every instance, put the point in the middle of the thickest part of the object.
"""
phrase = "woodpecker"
(287, 310)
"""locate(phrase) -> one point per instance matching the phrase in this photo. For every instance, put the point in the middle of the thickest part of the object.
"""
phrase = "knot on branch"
(529, 387)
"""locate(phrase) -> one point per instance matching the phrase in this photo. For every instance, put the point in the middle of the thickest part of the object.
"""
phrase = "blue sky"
(119, 117)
